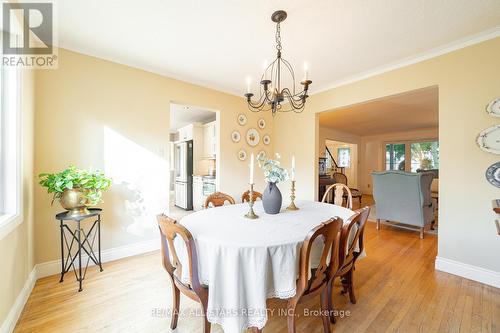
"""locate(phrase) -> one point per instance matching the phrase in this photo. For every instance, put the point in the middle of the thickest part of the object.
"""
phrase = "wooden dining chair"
(351, 247)
(313, 282)
(339, 192)
(342, 178)
(246, 196)
(169, 229)
(218, 199)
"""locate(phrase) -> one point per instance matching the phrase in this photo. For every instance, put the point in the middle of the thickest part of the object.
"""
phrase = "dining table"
(245, 261)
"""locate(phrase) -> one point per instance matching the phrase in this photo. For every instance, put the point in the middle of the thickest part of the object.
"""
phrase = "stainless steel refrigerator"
(184, 175)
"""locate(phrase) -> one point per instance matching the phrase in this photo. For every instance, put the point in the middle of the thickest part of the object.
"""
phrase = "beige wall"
(16, 248)
(372, 149)
(468, 79)
(95, 113)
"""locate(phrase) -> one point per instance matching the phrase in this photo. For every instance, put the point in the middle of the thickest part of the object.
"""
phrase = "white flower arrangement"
(273, 172)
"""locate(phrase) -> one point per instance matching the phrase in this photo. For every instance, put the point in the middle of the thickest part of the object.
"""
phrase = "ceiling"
(182, 115)
(413, 110)
(220, 43)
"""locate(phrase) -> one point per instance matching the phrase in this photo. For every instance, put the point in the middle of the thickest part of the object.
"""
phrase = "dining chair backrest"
(169, 230)
(352, 237)
(328, 264)
(246, 196)
(218, 199)
(339, 192)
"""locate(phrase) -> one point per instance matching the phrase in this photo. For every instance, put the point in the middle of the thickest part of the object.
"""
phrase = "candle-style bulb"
(249, 82)
(306, 71)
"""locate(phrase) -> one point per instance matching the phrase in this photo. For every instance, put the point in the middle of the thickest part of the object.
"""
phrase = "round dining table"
(244, 262)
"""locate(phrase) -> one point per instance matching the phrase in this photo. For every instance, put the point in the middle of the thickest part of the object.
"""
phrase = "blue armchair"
(404, 197)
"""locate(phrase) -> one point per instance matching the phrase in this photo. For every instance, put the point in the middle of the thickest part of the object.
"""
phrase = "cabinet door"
(213, 139)
(206, 140)
(198, 196)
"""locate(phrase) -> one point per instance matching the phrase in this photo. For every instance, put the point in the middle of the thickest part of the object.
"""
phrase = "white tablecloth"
(244, 262)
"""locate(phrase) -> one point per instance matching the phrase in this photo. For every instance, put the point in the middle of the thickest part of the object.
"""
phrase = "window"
(412, 155)
(10, 149)
(344, 156)
(395, 155)
(424, 156)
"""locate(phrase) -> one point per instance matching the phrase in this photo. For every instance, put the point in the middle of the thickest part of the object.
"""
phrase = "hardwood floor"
(397, 289)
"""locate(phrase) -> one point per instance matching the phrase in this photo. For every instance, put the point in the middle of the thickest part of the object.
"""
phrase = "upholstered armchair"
(404, 197)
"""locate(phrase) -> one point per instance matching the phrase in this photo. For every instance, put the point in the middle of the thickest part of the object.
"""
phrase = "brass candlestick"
(251, 214)
(292, 197)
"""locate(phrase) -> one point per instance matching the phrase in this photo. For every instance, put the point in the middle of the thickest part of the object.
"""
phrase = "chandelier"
(273, 96)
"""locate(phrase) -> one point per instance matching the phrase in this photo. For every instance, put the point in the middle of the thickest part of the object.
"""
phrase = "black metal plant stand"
(82, 240)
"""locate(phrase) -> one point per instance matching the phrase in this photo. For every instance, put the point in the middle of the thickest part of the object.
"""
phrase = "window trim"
(12, 212)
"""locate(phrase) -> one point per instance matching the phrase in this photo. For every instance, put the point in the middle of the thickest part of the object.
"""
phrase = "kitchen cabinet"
(209, 140)
(186, 133)
(198, 197)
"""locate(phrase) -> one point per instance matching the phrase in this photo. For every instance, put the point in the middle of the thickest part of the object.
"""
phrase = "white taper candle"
(251, 168)
(293, 167)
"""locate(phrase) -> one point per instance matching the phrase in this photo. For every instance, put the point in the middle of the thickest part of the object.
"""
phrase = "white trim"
(467, 271)
(54, 267)
(10, 321)
(435, 52)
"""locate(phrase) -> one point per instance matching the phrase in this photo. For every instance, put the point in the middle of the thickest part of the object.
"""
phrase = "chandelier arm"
(297, 97)
(290, 68)
(296, 104)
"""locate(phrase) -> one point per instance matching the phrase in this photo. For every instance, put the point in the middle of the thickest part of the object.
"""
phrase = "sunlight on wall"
(140, 182)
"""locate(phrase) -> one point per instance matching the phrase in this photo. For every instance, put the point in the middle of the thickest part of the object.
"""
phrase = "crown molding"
(435, 52)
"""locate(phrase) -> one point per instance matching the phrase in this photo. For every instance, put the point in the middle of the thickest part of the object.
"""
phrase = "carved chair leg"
(175, 304)
(422, 233)
(350, 286)
(325, 309)
(292, 305)
(378, 224)
(330, 301)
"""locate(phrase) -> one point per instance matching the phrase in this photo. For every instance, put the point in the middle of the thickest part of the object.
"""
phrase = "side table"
(81, 240)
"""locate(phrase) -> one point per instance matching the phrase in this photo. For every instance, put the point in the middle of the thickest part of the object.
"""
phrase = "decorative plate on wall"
(489, 140)
(261, 153)
(266, 139)
(493, 174)
(253, 137)
(235, 136)
(261, 123)
(242, 155)
(242, 119)
(493, 107)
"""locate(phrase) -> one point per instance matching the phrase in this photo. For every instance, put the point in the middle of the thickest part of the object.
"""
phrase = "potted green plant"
(76, 189)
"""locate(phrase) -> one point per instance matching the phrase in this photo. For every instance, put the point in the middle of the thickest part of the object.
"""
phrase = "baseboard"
(54, 266)
(467, 271)
(17, 308)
